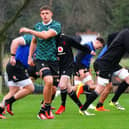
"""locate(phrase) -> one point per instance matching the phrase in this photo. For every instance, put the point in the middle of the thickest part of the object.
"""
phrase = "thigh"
(63, 82)
(13, 89)
(48, 80)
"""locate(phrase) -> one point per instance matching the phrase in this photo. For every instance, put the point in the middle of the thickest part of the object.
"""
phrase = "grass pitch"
(26, 111)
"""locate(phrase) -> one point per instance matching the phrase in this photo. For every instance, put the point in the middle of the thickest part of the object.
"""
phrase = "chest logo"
(60, 49)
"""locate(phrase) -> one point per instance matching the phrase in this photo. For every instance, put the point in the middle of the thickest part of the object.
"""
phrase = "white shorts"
(102, 81)
(22, 83)
(87, 78)
(122, 73)
(77, 82)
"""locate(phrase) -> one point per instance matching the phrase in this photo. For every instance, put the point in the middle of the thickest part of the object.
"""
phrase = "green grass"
(125, 62)
(26, 110)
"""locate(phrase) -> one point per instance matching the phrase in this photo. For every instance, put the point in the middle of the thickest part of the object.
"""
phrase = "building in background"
(88, 36)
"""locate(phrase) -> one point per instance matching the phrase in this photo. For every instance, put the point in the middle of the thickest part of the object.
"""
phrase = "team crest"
(14, 77)
(42, 64)
(60, 49)
(64, 72)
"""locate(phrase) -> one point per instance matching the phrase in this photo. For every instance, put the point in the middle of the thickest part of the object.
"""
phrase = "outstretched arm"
(14, 45)
(74, 43)
(42, 34)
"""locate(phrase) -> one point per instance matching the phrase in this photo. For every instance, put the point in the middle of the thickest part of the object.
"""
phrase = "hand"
(93, 53)
(30, 61)
(12, 60)
(24, 29)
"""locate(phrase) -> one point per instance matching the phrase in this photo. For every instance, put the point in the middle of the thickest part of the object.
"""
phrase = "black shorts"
(96, 67)
(52, 65)
(103, 72)
(56, 80)
(67, 70)
(32, 72)
(17, 72)
(79, 67)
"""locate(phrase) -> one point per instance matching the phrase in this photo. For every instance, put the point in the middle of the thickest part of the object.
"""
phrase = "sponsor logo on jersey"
(60, 49)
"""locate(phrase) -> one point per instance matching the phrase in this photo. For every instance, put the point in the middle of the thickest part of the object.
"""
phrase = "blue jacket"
(23, 51)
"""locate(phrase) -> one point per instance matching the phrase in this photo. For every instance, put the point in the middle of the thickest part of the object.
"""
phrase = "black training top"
(115, 52)
(64, 45)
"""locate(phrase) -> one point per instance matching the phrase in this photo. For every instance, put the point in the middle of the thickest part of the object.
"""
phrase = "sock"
(86, 88)
(90, 99)
(47, 108)
(73, 96)
(42, 110)
(42, 101)
(47, 105)
(63, 97)
(87, 91)
(121, 88)
(10, 100)
(1, 110)
(87, 95)
(53, 96)
(99, 104)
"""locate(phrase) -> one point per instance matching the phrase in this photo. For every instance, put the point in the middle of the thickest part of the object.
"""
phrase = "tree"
(50, 3)
(3, 30)
(120, 15)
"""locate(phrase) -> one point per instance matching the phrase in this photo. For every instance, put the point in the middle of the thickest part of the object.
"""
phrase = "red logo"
(60, 49)
(64, 42)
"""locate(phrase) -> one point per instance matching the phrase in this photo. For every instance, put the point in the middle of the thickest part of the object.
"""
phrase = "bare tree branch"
(50, 3)
(12, 20)
(3, 38)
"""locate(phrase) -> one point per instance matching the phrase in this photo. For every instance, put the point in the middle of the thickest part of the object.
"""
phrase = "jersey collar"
(48, 22)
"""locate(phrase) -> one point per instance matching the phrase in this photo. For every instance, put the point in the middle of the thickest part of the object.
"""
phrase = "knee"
(62, 86)
(69, 89)
(31, 88)
(48, 81)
